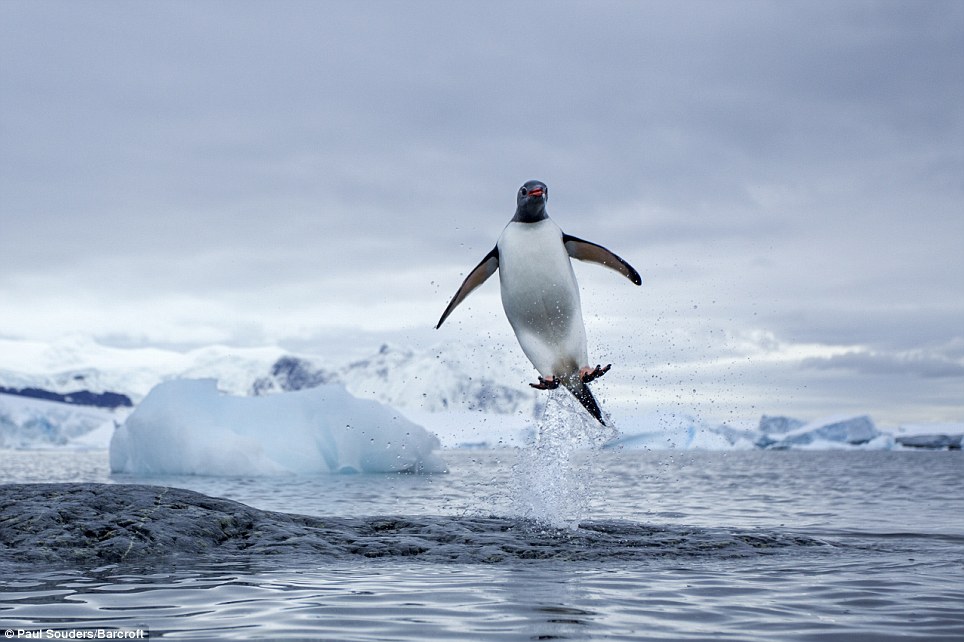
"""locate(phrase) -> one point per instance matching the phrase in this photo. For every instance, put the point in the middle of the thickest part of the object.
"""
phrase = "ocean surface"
(610, 545)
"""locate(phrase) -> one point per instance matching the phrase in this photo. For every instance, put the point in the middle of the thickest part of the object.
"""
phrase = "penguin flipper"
(588, 251)
(486, 268)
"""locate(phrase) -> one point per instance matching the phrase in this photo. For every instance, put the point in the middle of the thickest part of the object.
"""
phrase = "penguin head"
(531, 202)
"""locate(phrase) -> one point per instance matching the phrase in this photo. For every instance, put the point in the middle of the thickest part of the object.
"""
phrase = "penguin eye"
(523, 191)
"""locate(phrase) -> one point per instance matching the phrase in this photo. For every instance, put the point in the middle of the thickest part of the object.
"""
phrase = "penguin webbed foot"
(592, 375)
(546, 384)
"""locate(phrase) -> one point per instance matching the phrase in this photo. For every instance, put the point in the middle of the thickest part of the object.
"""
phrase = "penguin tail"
(582, 393)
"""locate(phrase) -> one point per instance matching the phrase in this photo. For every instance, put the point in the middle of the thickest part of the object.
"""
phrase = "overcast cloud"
(787, 176)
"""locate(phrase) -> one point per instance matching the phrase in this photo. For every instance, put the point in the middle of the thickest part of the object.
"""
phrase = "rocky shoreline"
(87, 524)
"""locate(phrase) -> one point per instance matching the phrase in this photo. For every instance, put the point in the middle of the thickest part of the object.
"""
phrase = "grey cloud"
(884, 325)
(806, 158)
(921, 365)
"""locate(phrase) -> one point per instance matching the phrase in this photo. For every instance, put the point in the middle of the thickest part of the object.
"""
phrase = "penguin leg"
(546, 384)
(588, 374)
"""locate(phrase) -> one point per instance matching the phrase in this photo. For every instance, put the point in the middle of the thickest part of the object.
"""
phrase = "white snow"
(188, 427)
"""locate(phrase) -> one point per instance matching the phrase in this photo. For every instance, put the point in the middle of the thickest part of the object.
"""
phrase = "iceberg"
(779, 424)
(677, 431)
(838, 431)
(187, 427)
(771, 426)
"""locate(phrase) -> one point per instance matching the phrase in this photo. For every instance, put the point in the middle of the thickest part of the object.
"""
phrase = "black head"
(531, 202)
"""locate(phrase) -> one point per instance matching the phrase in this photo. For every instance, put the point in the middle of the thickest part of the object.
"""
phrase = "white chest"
(534, 265)
(533, 251)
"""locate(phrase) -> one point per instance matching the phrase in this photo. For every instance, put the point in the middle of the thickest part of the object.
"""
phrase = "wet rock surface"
(89, 524)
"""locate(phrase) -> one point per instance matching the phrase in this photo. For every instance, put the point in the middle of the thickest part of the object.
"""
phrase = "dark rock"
(90, 523)
(87, 525)
(289, 374)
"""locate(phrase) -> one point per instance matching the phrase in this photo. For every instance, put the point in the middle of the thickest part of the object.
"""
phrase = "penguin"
(540, 295)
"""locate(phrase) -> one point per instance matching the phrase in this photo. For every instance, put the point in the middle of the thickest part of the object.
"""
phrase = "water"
(553, 479)
(759, 545)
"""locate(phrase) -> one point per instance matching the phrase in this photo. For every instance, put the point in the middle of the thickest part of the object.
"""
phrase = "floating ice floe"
(188, 427)
(930, 436)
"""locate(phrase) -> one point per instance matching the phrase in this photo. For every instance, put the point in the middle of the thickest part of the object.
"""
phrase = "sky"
(788, 178)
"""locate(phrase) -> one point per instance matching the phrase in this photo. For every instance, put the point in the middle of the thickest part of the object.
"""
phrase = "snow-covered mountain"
(77, 364)
(469, 395)
(290, 373)
(446, 378)
(436, 381)
(39, 423)
(449, 376)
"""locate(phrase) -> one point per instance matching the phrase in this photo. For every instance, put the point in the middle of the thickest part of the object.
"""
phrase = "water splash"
(554, 474)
